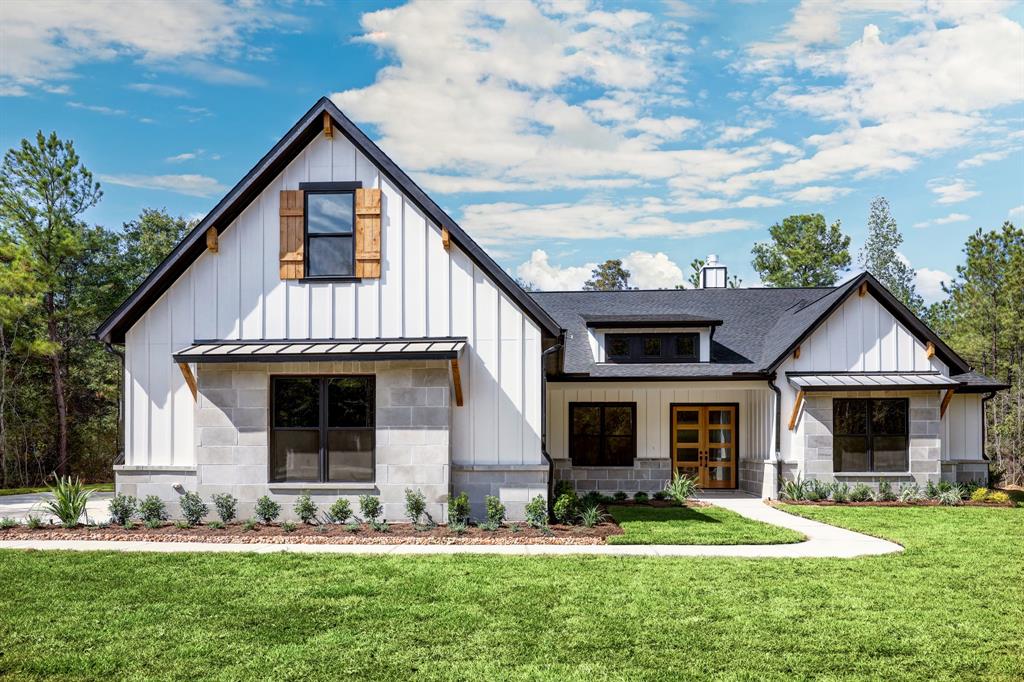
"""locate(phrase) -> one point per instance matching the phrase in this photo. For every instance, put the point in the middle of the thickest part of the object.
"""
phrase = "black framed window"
(870, 434)
(322, 429)
(602, 434)
(675, 347)
(329, 224)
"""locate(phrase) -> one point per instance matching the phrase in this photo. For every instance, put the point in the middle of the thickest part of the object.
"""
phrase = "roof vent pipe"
(713, 275)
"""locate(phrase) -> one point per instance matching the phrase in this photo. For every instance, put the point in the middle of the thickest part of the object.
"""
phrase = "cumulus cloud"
(818, 194)
(190, 184)
(952, 191)
(929, 284)
(1017, 212)
(647, 271)
(652, 270)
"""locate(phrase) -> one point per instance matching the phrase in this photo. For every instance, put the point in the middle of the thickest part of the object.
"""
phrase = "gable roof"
(759, 327)
(113, 329)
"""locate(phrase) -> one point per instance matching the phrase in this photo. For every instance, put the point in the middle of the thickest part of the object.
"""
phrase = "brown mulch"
(398, 534)
(897, 503)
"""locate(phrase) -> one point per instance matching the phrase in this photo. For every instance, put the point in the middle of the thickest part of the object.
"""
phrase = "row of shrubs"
(944, 492)
(570, 508)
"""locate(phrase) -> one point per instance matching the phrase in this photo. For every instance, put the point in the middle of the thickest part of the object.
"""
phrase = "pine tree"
(609, 276)
(804, 252)
(880, 256)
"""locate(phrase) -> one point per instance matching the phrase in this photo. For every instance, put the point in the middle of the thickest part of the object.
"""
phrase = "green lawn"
(98, 487)
(950, 608)
(686, 526)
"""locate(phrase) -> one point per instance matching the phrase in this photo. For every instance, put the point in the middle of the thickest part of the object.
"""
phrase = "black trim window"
(330, 241)
(626, 348)
(870, 434)
(602, 434)
(321, 429)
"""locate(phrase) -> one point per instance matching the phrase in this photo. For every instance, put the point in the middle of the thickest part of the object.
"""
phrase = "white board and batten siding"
(423, 291)
(962, 428)
(654, 402)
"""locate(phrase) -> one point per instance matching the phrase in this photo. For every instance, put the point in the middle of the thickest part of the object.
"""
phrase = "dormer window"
(660, 347)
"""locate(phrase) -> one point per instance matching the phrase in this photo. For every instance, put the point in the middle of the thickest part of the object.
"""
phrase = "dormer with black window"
(626, 339)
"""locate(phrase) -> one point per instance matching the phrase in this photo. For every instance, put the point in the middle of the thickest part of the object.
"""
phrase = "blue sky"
(559, 134)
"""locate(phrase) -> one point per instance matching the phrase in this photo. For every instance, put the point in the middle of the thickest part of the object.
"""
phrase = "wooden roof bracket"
(945, 402)
(190, 379)
(212, 240)
(328, 126)
(862, 291)
(796, 409)
(929, 351)
(457, 382)
(446, 239)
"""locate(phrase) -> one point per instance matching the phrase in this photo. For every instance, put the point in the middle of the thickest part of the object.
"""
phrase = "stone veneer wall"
(514, 485)
(751, 475)
(925, 444)
(232, 437)
(647, 475)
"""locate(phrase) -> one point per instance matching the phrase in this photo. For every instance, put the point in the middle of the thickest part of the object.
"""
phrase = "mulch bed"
(398, 534)
(871, 503)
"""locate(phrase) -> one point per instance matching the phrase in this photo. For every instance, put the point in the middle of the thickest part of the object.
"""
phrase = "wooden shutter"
(292, 234)
(367, 229)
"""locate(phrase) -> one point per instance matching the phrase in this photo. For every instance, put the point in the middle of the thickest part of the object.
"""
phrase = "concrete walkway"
(823, 541)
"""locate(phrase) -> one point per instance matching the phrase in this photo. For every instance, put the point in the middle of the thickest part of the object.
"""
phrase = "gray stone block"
(429, 416)
(394, 416)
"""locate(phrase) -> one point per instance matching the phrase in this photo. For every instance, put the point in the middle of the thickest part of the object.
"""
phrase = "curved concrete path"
(823, 541)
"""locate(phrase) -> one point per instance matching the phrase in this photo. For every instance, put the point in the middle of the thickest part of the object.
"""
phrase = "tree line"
(60, 277)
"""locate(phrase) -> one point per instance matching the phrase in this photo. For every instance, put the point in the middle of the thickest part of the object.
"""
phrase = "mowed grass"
(97, 487)
(693, 526)
(950, 608)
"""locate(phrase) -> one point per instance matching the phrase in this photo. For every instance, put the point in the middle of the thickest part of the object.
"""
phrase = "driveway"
(18, 507)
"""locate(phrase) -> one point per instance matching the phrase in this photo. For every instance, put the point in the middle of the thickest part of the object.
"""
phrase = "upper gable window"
(672, 347)
(330, 251)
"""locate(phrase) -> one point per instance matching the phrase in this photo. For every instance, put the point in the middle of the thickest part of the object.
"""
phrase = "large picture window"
(654, 347)
(870, 434)
(330, 247)
(602, 434)
(322, 429)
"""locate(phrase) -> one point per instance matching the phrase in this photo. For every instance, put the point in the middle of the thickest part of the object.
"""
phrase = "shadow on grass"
(638, 513)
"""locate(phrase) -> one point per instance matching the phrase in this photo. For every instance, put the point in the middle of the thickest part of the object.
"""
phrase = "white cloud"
(952, 218)
(192, 156)
(818, 194)
(929, 284)
(46, 41)
(652, 270)
(952, 191)
(158, 90)
(539, 272)
(107, 111)
(1016, 212)
(190, 184)
(986, 157)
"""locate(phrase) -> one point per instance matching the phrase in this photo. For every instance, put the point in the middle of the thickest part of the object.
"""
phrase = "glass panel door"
(687, 442)
(704, 439)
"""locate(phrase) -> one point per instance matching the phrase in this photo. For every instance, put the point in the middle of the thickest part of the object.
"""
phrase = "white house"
(328, 329)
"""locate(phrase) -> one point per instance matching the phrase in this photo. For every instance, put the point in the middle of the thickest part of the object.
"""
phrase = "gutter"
(544, 424)
(778, 415)
(119, 459)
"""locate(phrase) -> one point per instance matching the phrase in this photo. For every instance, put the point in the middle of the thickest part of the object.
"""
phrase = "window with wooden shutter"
(367, 229)
(292, 234)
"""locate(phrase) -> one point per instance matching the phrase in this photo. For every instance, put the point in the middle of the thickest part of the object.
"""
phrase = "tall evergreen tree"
(147, 240)
(880, 256)
(44, 189)
(609, 276)
(803, 252)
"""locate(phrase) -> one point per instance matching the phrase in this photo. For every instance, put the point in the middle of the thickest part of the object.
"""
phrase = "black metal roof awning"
(869, 381)
(435, 348)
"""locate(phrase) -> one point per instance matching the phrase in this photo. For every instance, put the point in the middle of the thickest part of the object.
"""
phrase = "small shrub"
(997, 497)
(795, 490)
(620, 496)
(370, 507)
(489, 526)
(457, 527)
(152, 508)
(321, 528)
(215, 525)
(152, 524)
(909, 492)
(193, 508)
(591, 516)
(249, 524)
(458, 509)
(660, 495)
(816, 490)
(182, 524)
(931, 491)
(566, 508)
(267, 510)
(537, 512)
(979, 494)
(681, 488)
(885, 492)
(495, 510)
(226, 505)
(340, 511)
(415, 504)
(305, 508)
(563, 487)
(33, 521)
(122, 508)
(69, 500)
(514, 527)
(288, 527)
(950, 498)
(860, 493)
(840, 493)
(591, 498)
(129, 525)
(641, 497)
(353, 527)
(7, 523)
(380, 526)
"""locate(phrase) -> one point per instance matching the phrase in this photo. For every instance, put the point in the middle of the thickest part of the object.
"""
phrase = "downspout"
(777, 465)
(119, 458)
(984, 422)
(544, 424)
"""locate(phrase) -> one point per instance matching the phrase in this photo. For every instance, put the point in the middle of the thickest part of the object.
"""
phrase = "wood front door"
(704, 444)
